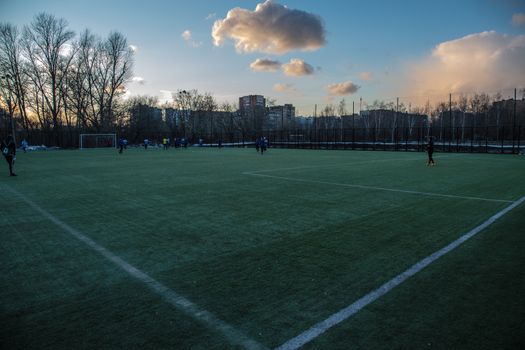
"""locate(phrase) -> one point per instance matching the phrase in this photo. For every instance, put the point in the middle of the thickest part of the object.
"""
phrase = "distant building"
(252, 109)
(281, 117)
(251, 102)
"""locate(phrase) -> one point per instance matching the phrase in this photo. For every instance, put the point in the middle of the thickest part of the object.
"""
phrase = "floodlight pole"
(449, 119)
(353, 124)
(514, 123)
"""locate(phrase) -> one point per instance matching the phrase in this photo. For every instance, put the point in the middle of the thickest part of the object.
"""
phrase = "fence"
(473, 139)
(486, 139)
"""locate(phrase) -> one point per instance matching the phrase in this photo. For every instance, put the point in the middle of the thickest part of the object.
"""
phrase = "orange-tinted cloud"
(341, 89)
(486, 61)
(265, 65)
(366, 76)
(297, 68)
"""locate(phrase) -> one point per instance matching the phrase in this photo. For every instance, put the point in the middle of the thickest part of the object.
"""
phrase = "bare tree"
(226, 121)
(14, 82)
(45, 46)
(120, 62)
(462, 105)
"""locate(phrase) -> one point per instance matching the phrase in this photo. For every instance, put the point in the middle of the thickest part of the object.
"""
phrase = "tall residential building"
(252, 109)
(281, 117)
(251, 102)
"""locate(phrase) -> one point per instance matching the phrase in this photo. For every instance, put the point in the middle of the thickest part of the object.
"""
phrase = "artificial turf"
(270, 255)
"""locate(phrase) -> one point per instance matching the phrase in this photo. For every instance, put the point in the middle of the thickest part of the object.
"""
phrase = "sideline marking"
(380, 188)
(185, 305)
(353, 308)
(256, 172)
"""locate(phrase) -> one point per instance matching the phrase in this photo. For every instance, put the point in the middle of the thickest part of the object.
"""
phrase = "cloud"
(187, 36)
(484, 61)
(518, 19)
(297, 67)
(271, 28)
(211, 16)
(133, 48)
(265, 65)
(288, 89)
(366, 76)
(279, 87)
(139, 80)
(341, 89)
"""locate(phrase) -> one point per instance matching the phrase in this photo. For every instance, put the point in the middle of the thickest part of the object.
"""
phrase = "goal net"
(98, 141)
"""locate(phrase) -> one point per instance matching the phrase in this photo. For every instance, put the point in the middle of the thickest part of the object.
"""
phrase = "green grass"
(270, 256)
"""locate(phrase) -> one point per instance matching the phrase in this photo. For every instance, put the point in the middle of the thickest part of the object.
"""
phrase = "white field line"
(380, 188)
(234, 336)
(346, 164)
(256, 172)
(355, 307)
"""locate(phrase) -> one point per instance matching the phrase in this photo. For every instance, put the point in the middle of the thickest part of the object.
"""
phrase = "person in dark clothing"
(121, 145)
(257, 144)
(8, 148)
(263, 144)
(430, 151)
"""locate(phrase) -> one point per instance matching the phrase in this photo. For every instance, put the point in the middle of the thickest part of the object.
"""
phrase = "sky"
(307, 52)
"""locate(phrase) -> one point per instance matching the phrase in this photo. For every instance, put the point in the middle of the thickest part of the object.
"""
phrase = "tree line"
(55, 81)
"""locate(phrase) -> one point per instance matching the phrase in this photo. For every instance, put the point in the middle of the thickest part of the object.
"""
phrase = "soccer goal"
(98, 141)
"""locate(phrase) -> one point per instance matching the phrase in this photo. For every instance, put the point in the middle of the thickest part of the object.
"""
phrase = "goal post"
(98, 141)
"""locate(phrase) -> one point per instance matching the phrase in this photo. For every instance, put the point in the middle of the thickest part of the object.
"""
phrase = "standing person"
(146, 143)
(430, 151)
(165, 143)
(257, 144)
(263, 145)
(8, 148)
(120, 145)
(220, 143)
(24, 145)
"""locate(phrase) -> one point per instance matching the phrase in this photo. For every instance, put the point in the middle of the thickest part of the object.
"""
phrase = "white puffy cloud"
(265, 65)
(297, 67)
(341, 89)
(139, 80)
(518, 19)
(366, 76)
(187, 36)
(484, 61)
(133, 48)
(271, 28)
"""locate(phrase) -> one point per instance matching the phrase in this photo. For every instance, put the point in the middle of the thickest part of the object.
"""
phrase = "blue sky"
(383, 48)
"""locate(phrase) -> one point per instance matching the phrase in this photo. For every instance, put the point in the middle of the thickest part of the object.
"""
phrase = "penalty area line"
(321, 327)
(432, 194)
(183, 304)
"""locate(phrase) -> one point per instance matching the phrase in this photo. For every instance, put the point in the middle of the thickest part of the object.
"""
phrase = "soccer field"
(221, 249)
